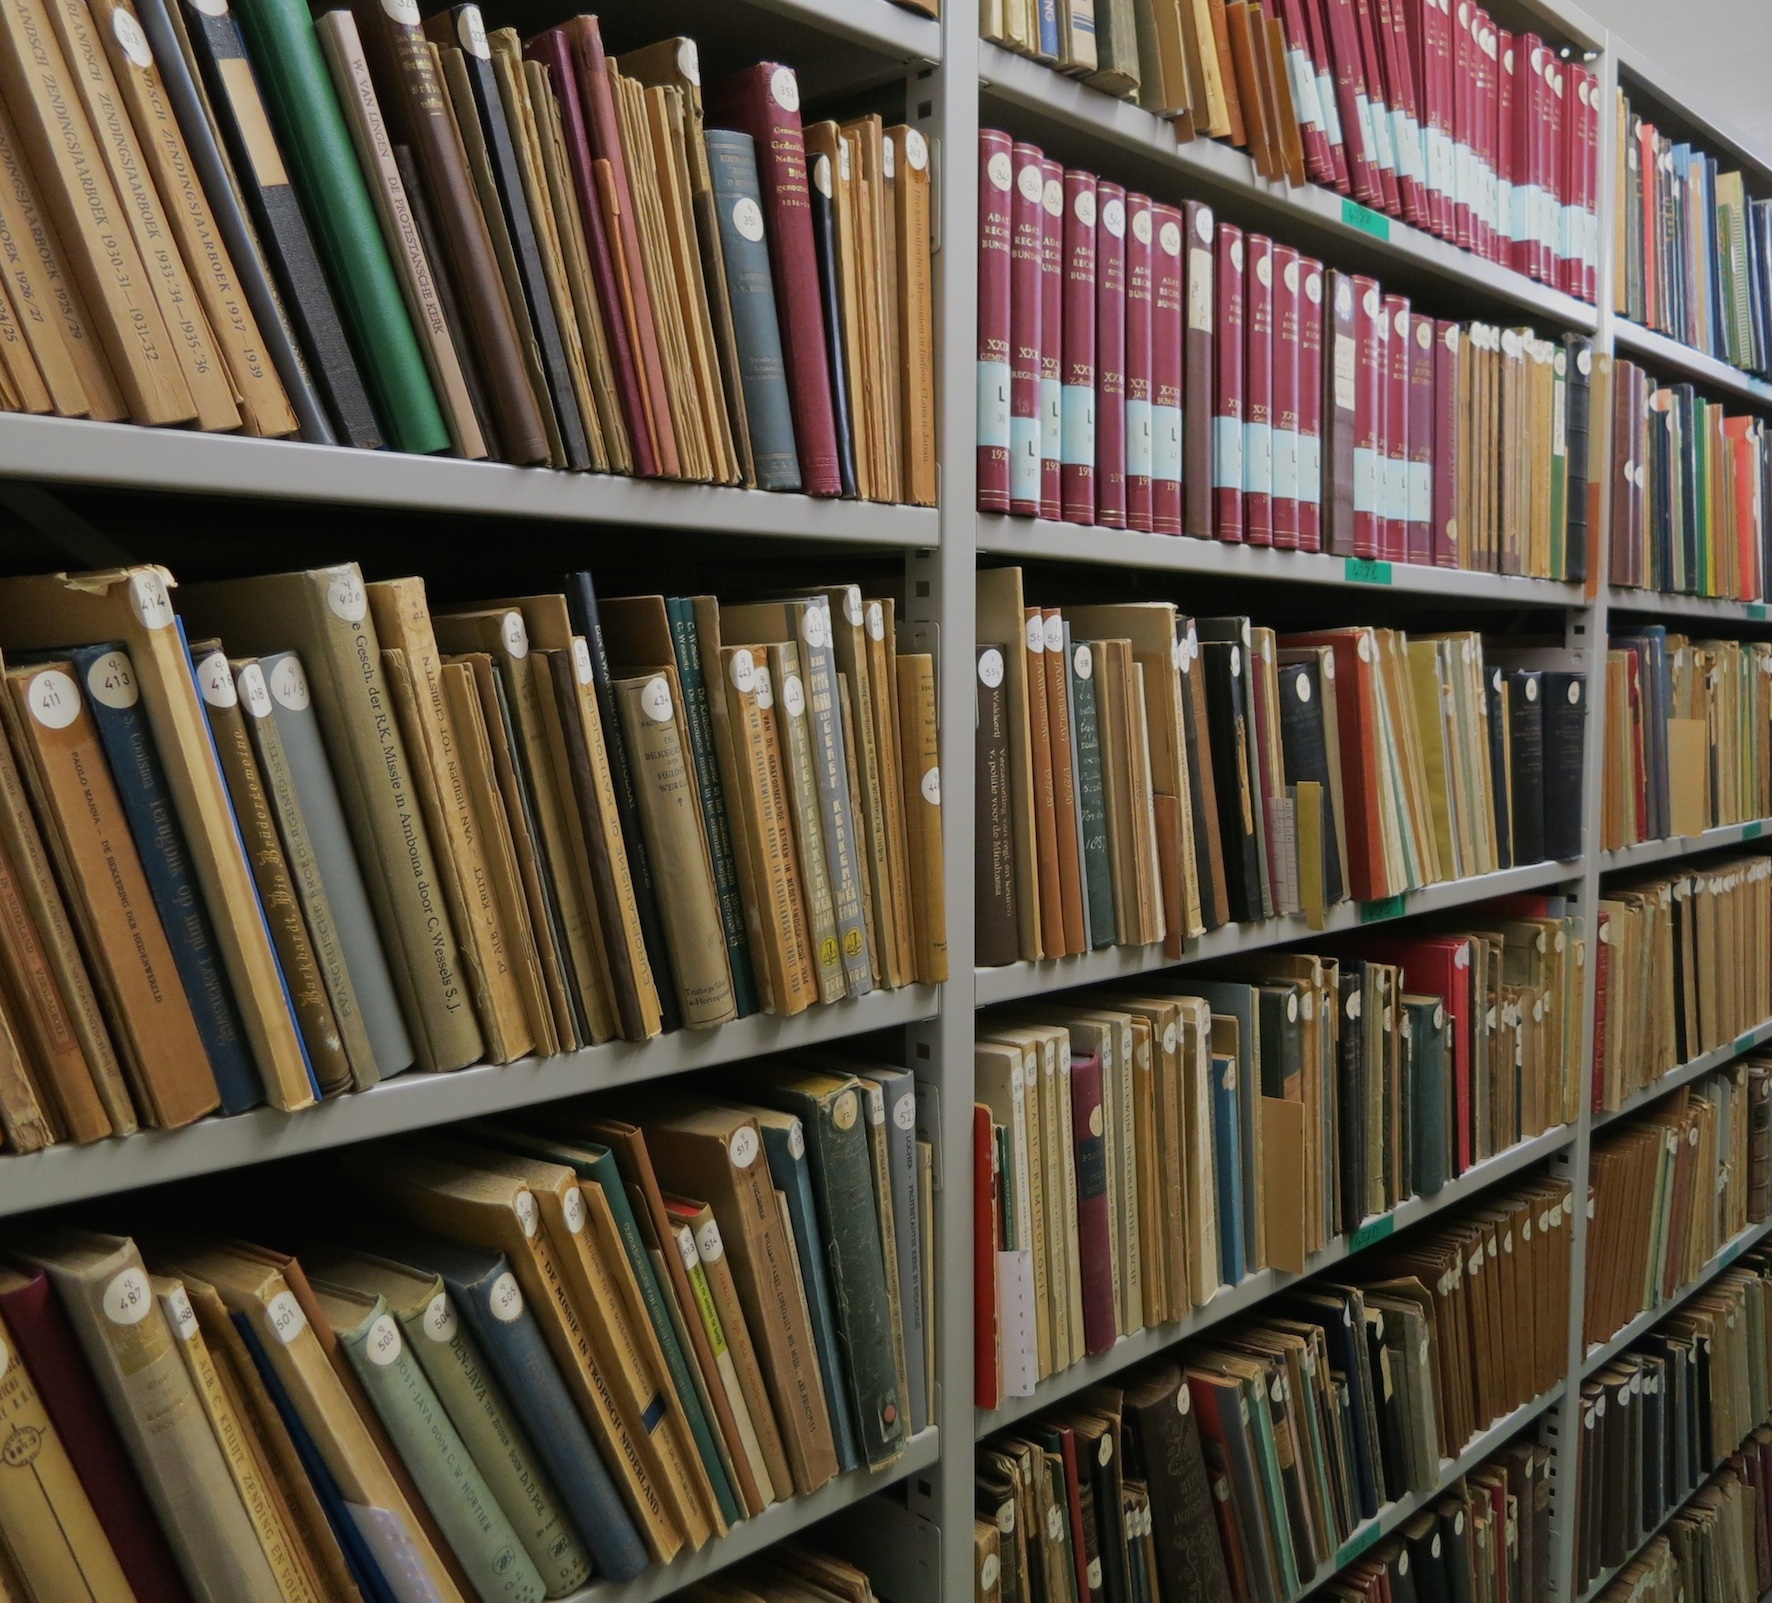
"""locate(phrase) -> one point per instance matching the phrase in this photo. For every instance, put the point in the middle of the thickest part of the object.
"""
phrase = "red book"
(1464, 120)
(1110, 355)
(1421, 439)
(1139, 361)
(1316, 31)
(764, 102)
(1319, 165)
(1384, 153)
(996, 172)
(1602, 982)
(1506, 152)
(1229, 389)
(1369, 393)
(1436, 76)
(1448, 353)
(1350, 100)
(1077, 461)
(1073, 1497)
(1051, 336)
(1166, 318)
(1399, 69)
(1288, 289)
(1488, 101)
(1527, 74)
(986, 1391)
(1198, 379)
(1100, 1330)
(1258, 385)
(1027, 241)
(1340, 421)
(51, 1353)
(1590, 187)
(1393, 543)
(1561, 115)
(1310, 405)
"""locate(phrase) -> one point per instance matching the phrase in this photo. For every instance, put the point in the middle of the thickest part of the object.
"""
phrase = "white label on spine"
(383, 1341)
(1166, 443)
(214, 677)
(439, 1320)
(54, 699)
(1285, 452)
(1227, 453)
(993, 406)
(655, 699)
(147, 595)
(1310, 468)
(111, 681)
(785, 87)
(289, 685)
(747, 217)
(283, 1314)
(1258, 458)
(1139, 447)
(128, 1297)
(506, 1298)
(130, 36)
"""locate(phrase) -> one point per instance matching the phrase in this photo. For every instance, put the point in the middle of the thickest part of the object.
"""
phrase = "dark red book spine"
(1110, 356)
(1026, 335)
(1590, 187)
(1258, 389)
(1528, 74)
(1051, 336)
(995, 273)
(1198, 378)
(1393, 543)
(1507, 82)
(1421, 439)
(1384, 155)
(1140, 355)
(1301, 72)
(1350, 100)
(1340, 390)
(51, 1352)
(1448, 357)
(1435, 41)
(1077, 473)
(1227, 401)
(1393, 50)
(1166, 321)
(1310, 405)
(986, 1392)
(1316, 32)
(1464, 117)
(1368, 416)
(1562, 116)
(1288, 288)
(1487, 101)
(765, 103)
(1100, 1330)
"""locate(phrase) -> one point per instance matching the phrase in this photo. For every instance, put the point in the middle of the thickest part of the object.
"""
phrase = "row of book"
(1143, 366)
(1691, 1397)
(1138, 1149)
(368, 229)
(1669, 1187)
(1694, 247)
(1292, 1426)
(1691, 484)
(1434, 115)
(378, 837)
(789, 1572)
(1144, 776)
(505, 1358)
(1684, 968)
(1688, 737)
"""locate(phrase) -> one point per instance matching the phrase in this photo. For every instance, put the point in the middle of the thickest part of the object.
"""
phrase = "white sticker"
(1084, 207)
(1054, 200)
(573, 1207)
(1169, 237)
(987, 1572)
(786, 89)
(904, 1111)
(1264, 270)
(1106, 1453)
(215, 680)
(506, 1298)
(346, 597)
(821, 175)
(1141, 226)
(655, 699)
(283, 1314)
(528, 1216)
(1313, 288)
(1365, 647)
(133, 40)
(1369, 304)
(514, 635)
(742, 1148)
(876, 621)
(383, 1341)
(1184, 1400)
(747, 218)
(253, 689)
(793, 696)
(743, 671)
(471, 28)
(1006, 1519)
(54, 699)
(796, 1140)
(1532, 690)
(765, 689)
(289, 685)
(1236, 662)
(1171, 1037)
(1113, 217)
(1290, 277)
(814, 630)
(1403, 1562)
(178, 1310)
(147, 588)
(439, 1320)
(688, 62)
(877, 1105)
(1574, 692)
(1355, 1004)
(1301, 683)
(1095, 1120)
(1237, 255)
(1083, 660)
(1292, 1007)
(581, 659)
(990, 667)
(843, 1111)
(1584, 361)
(1000, 170)
(1054, 633)
(1055, 1520)
(931, 787)
(916, 150)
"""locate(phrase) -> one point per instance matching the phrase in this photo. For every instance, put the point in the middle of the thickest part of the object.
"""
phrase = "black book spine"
(1306, 752)
(1201, 804)
(1351, 1075)
(1228, 729)
(1565, 753)
(1495, 693)
(824, 247)
(1526, 727)
(993, 845)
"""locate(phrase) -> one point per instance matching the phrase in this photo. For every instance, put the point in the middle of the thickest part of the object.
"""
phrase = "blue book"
(1227, 1164)
(1230, 999)
(108, 678)
(1048, 15)
(486, 1292)
(785, 1143)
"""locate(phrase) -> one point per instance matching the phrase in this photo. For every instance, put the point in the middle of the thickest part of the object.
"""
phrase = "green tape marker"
(1365, 570)
(1754, 830)
(1373, 1230)
(1367, 221)
(1757, 611)
(1387, 907)
(1356, 1544)
(1746, 1041)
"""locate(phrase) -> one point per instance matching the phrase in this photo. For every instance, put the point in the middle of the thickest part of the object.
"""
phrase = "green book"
(444, 1471)
(1098, 876)
(475, 1403)
(317, 143)
(690, 678)
(1267, 1457)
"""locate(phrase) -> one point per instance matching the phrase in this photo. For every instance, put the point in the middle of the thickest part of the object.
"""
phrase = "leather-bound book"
(1311, 484)
(1110, 356)
(1565, 754)
(1166, 259)
(1026, 332)
(1258, 420)
(1288, 290)
(1369, 394)
(1141, 248)
(1100, 1329)
(1394, 469)
(1340, 368)
(1229, 390)
(996, 174)
(1078, 369)
(994, 887)
(1052, 261)
(1526, 763)
(1162, 1438)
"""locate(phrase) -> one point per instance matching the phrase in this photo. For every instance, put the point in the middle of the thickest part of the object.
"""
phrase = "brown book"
(1064, 782)
(907, 171)
(1234, 109)
(21, 386)
(150, 1018)
(1239, 33)
(1053, 941)
(882, 654)
(922, 803)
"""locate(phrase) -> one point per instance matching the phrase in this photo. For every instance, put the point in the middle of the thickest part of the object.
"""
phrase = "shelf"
(1726, 143)
(1309, 217)
(124, 457)
(775, 1524)
(1034, 539)
(413, 1101)
(1017, 980)
(1256, 1288)
(1667, 605)
(1667, 357)
(1684, 1074)
(1732, 1249)
(1672, 847)
(883, 27)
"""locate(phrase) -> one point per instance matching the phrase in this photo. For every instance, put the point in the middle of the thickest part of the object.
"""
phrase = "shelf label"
(1357, 1544)
(1754, 830)
(1757, 611)
(1366, 220)
(1728, 1255)
(1377, 912)
(1365, 570)
(1747, 1040)
(1373, 1230)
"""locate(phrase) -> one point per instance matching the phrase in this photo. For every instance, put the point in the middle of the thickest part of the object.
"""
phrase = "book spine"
(995, 298)
(1098, 880)
(1052, 266)
(920, 758)
(1229, 391)
(824, 240)
(1093, 1204)
(994, 888)
(1288, 293)
(1369, 390)
(1421, 440)
(1310, 405)
(1448, 354)
(1258, 424)
(784, 691)
(1027, 248)
(1394, 466)
(1078, 369)
(1140, 360)
(1110, 356)
(1166, 369)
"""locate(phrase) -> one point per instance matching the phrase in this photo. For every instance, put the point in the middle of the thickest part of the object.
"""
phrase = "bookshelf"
(952, 82)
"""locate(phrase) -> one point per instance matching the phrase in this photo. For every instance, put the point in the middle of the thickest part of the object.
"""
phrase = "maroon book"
(1139, 290)
(1310, 405)
(1394, 469)
(1110, 356)
(1026, 335)
(1089, 1141)
(1288, 288)
(1258, 392)
(1166, 259)
(51, 1352)
(1077, 460)
(1447, 354)
(764, 102)
(996, 275)
(1196, 373)
(1421, 439)
(1229, 393)
(1368, 418)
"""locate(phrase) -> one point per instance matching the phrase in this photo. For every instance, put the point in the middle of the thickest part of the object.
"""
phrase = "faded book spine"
(781, 689)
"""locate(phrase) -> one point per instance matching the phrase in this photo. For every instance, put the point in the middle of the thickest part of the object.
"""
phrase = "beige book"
(883, 1207)
(104, 1287)
(81, 201)
(866, 139)
(25, 390)
(403, 625)
(919, 744)
(52, 1533)
(294, 1582)
(829, 166)
(1002, 622)
(471, 1200)
(782, 693)
(882, 689)
(915, 367)
(343, 48)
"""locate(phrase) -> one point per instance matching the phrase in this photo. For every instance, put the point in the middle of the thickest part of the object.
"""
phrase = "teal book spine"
(298, 88)
(1227, 1165)
(1098, 877)
(687, 646)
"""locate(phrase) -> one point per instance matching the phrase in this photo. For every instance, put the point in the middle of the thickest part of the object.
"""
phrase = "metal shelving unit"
(1685, 1074)
(1673, 847)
